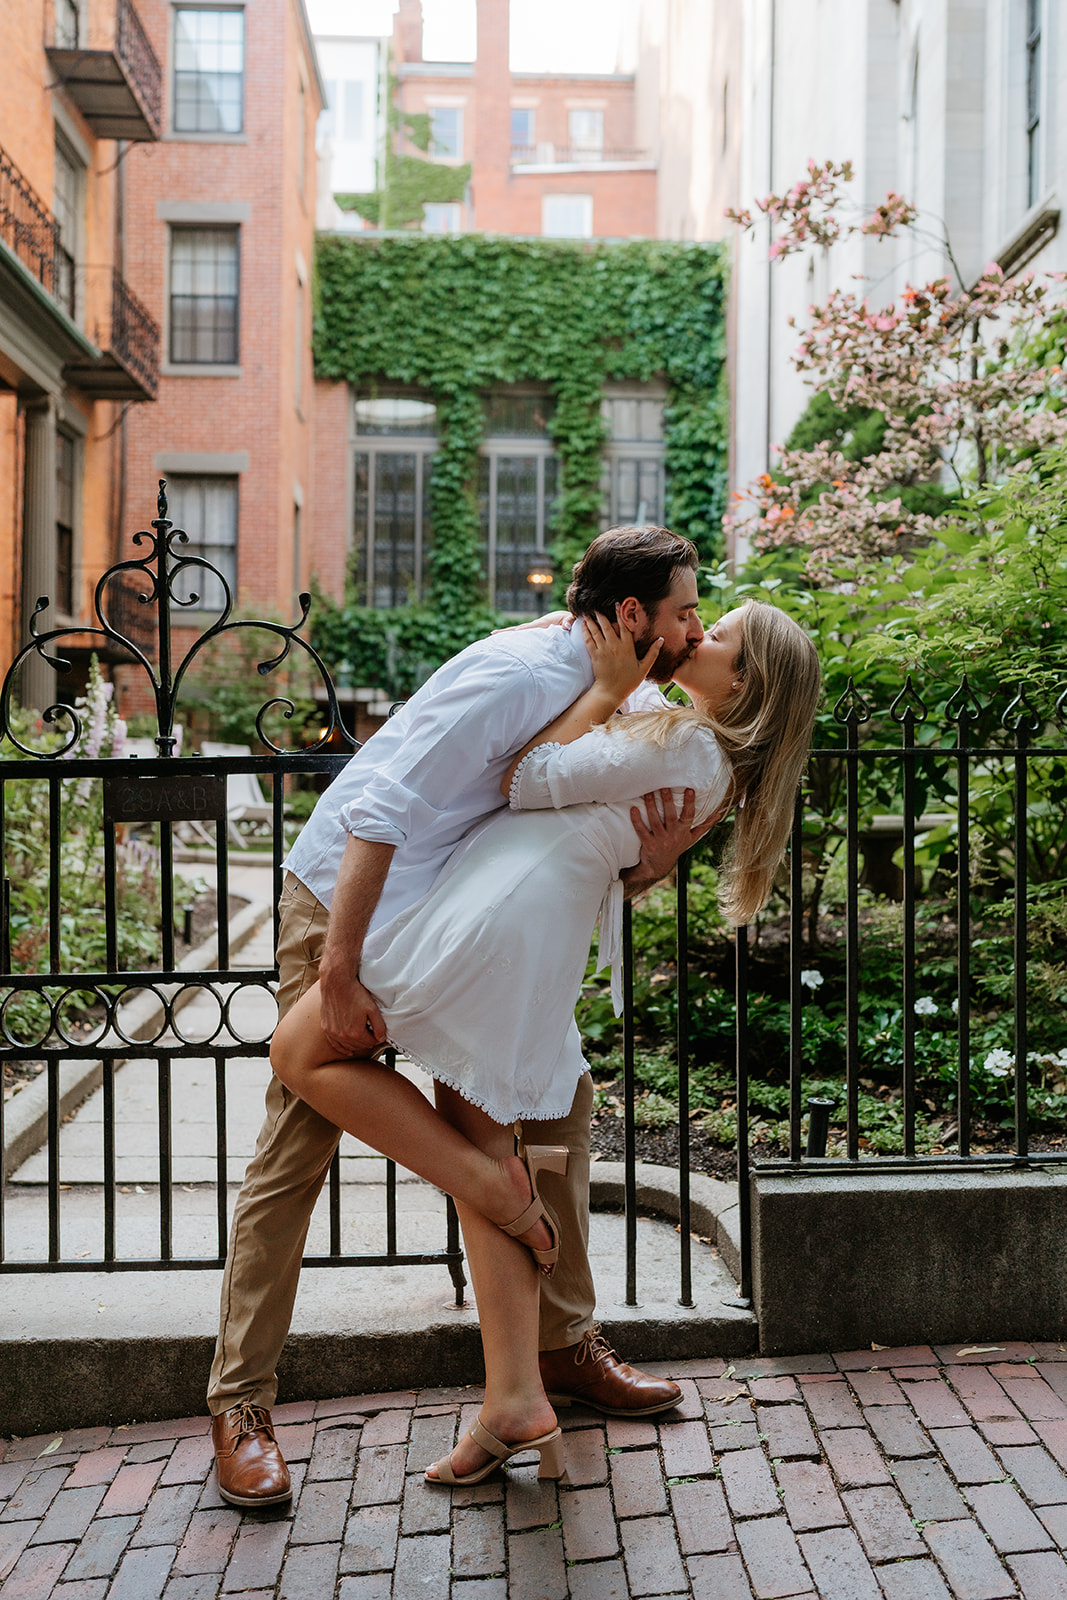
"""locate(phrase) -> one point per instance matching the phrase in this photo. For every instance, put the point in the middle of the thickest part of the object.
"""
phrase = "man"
(373, 846)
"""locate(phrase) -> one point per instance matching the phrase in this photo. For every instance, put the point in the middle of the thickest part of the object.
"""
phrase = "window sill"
(1033, 233)
(172, 136)
(192, 369)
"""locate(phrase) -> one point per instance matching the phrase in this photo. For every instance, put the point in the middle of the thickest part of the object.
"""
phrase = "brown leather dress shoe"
(592, 1373)
(250, 1466)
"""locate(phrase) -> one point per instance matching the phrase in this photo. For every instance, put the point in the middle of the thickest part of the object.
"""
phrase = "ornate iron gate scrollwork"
(37, 1002)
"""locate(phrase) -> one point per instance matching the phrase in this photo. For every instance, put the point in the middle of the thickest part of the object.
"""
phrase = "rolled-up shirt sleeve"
(474, 719)
(609, 765)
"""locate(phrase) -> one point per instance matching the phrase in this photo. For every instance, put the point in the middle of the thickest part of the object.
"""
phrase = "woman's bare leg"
(505, 1281)
(386, 1110)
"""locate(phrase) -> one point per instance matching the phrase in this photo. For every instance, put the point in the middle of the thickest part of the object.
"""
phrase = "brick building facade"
(550, 153)
(77, 344)
(221, 225)
(169, 145)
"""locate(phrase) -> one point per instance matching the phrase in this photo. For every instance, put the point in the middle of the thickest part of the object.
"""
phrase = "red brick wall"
(328, 518)
(256, 412)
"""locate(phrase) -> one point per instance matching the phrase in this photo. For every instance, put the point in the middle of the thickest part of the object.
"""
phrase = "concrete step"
(83, 1349)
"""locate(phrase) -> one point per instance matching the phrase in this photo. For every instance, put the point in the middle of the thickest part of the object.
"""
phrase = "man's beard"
(667, 662)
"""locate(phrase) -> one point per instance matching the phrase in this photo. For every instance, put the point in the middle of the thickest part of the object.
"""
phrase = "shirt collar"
(576, 636)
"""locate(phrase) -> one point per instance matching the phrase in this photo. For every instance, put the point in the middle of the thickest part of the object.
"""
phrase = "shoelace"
(251, 1419)
(595, 1346)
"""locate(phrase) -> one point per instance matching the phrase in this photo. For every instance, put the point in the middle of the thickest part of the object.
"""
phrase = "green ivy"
(406, 183)
(456, 316)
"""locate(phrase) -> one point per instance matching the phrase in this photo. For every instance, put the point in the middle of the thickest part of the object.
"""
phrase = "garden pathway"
(919, 1474)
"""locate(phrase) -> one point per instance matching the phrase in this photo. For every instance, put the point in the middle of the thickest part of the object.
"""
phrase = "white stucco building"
(352, 41)
(954, 103)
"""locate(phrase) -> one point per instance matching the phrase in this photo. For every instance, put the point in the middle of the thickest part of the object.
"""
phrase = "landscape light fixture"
(541, 572)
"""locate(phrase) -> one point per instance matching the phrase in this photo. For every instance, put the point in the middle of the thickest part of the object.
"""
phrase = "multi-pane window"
(68, 190)
(567, 216)
(206, 509)
(1033, 101)
(632, 482)
(517, 491)
(446, 131)
(518, 485)
(204, 276)
(440, 216)
(392, 532)
(523, 137)
(586, 132)
(209, 50)
(66, 460)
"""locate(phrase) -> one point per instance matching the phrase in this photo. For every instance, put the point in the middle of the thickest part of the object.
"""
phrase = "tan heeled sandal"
(539, 1158)
(549, 1447)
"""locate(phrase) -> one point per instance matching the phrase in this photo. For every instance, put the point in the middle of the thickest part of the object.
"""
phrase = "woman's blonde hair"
(764, 732)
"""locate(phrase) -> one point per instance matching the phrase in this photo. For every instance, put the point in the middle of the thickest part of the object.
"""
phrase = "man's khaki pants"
(283, 1180)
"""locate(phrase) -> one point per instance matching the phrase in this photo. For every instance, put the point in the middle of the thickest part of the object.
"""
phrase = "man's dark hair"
(640, 561)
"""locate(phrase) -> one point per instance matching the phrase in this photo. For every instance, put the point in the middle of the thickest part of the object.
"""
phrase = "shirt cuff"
(373, 829)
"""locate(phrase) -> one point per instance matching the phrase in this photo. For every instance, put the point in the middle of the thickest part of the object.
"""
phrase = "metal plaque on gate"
(185, 797)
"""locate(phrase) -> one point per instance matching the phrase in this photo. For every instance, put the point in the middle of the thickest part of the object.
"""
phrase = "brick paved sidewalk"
(874, 1475)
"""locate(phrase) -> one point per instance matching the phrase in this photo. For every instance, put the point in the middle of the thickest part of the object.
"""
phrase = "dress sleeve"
(476, 712)
(609, 765)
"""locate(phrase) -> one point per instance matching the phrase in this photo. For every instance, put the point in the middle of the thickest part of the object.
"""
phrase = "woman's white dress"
(478, 980)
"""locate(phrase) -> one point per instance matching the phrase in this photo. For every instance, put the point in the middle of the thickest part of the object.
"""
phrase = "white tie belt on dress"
(609, 949)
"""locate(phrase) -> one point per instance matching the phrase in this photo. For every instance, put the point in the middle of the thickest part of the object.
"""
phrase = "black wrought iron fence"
(30, 230)
(134, 334)
(141, 62)
(92, 983)
(996, 775)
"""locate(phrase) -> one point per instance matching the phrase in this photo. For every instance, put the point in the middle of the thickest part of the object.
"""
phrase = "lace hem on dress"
(516, 777)
(494, 1113)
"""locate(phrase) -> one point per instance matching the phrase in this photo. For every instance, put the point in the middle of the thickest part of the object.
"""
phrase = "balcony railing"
(128, 339)
(31, 232)
(118, 89)
(546, 154)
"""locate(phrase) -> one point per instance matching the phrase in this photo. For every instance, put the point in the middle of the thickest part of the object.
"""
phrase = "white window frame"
(194, 615)
(206, 135)
(446, 155)
(617, 451)
(551, 232)
(592, 147)
(450, 211)
(503, 446)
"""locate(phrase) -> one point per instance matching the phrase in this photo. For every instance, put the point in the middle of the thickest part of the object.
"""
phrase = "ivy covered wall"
(457, 316)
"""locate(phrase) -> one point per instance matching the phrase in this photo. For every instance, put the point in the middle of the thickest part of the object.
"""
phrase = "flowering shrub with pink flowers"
(950, 369)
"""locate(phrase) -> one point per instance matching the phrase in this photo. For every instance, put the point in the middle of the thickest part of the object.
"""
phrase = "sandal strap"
(533, 1213)
(489, 1442)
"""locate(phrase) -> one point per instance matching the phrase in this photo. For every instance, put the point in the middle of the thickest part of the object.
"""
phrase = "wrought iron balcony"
(128, 339)
(31, 233)
(117, 88)
(546, 154)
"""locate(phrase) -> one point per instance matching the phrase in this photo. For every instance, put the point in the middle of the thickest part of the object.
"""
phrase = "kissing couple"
(442, 898)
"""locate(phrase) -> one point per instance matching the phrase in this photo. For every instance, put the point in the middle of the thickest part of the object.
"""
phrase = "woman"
(479, 980)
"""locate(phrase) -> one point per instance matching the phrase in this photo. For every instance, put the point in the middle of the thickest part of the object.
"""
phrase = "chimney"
(407, 31)
(492, 92)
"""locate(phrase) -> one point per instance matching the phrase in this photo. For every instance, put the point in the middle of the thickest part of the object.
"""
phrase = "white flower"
(925, 1007)
(956, 1006)
(811, 979)
(998, 1063)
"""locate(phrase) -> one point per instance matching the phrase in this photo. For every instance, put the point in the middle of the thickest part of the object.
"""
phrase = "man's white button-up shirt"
(434, 769)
